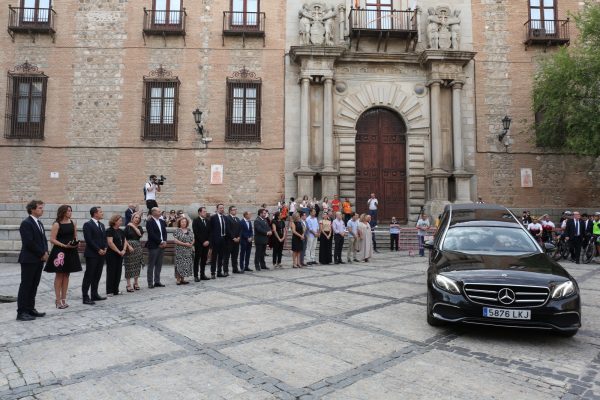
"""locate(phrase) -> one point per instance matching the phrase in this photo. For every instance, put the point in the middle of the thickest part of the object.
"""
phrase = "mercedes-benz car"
(485, 268)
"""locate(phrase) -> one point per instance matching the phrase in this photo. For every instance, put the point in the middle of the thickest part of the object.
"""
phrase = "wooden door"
(381, 163)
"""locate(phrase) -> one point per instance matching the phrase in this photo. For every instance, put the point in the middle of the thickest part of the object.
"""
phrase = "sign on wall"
(216, 174)
(526, 177)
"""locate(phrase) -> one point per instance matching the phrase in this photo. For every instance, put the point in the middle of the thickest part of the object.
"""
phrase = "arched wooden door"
(381, 163)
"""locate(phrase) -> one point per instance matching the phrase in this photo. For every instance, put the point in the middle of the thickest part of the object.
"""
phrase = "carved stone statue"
(317, 24)
(443, 28)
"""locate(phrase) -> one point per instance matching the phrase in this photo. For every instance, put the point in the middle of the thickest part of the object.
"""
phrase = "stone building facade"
(97, 61)
(384, 105)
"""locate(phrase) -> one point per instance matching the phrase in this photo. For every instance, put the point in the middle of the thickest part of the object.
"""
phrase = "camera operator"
(151, 188)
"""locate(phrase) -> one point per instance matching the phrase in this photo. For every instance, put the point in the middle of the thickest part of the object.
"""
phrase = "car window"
(488, 240)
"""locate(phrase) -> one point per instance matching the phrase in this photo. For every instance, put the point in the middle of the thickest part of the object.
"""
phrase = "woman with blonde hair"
(184, 251)
(134, 258)
(64, 257)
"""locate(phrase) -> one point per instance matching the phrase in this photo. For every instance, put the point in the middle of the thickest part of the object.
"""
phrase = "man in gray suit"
(262, 231)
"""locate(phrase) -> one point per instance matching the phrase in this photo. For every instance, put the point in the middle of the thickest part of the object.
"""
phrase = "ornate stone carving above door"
(317, 24)
(443, 28)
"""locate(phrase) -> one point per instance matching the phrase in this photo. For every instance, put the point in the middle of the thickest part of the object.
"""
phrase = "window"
(167, 12)
(542, 14)
(25, 108)
(244, 13)
(379, 13)
(35, 11)
(243, 107)
(161, 101)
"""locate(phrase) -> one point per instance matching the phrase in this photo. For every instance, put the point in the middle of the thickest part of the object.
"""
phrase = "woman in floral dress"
(184, 251)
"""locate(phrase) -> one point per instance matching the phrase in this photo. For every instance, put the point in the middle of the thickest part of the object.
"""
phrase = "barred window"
(542, 14)
(35, 11)
(243, 107)
(26, 103)
(161, 101)
(244, 12)
(167, 12)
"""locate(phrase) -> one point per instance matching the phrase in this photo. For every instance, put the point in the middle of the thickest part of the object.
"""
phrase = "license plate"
(506, 313)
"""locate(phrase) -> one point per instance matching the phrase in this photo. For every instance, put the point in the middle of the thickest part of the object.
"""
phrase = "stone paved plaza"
(353, 331)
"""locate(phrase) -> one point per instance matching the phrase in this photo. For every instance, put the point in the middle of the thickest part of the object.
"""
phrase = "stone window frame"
(166, 126)
(33, 125)
(238, 131)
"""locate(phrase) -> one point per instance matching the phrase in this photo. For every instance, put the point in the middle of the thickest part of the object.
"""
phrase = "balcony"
(547, 32)
(383, 24)
(31, 21)
(164, 23)
(244, 24)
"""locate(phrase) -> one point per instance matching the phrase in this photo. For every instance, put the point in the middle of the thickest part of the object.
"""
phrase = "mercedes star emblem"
(506, 296)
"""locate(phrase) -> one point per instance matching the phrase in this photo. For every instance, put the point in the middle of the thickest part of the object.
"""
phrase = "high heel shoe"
(59, 304)
(64, 303)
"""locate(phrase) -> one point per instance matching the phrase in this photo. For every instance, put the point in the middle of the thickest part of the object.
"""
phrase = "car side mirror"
(428, 244)
(549, 247)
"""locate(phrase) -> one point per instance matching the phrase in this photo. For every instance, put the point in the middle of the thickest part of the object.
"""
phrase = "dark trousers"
(303, 252)
(394, 241)
(200, 257)
(218, 255)
(347, 217)
(421, 245)
(245, 250)
(150, 204)
(575, 247)
(338, 243)
(374, 241)
(233, 250)
(277, 251)
(30, 279)
(373, 214)
(114, 269)
(259, 257)
(155, 261)
(92, 275)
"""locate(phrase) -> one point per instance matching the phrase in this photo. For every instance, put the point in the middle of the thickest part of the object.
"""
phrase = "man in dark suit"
(94, 234)
(246, 235)
(34, 252)
(201, 244)
(261, 238)
(234, 230)
(574, 233)
(218, 242)
(129, 213)
(156, 243)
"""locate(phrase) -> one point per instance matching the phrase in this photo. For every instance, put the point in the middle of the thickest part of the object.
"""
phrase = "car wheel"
(431, 320)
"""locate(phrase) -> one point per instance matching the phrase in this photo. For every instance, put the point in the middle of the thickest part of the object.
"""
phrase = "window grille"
(243, 117)
(160, 106)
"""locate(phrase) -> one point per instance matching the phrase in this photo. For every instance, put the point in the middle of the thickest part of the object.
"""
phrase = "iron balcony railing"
(549, 32)
(372, 22)
(244, 23)
(28, 19)
(164, 22)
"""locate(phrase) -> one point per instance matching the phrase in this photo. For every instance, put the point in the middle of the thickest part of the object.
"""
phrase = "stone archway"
(381, 163)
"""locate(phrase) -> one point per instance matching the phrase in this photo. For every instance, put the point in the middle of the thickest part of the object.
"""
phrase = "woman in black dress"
(117, 244)
(325, 240)
(297, 238)
(279, 235)
(64, 257)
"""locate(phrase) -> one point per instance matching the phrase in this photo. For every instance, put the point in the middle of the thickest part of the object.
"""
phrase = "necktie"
(576, 228)
(222, 225)
(41, 226)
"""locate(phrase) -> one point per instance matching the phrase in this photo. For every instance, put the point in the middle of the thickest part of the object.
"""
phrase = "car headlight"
(565, 289)
(447, 284)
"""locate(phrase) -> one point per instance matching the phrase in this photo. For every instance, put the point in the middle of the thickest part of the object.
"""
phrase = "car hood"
(524, 269)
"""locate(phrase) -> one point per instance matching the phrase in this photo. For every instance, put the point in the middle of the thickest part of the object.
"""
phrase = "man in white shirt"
(373, 206)
(151, 188)
(352, 228)
(312, 226)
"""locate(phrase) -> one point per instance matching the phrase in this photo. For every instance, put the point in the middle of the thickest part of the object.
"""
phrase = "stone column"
(304, 121)
(461, 177)
(438, 178)
(329, 177)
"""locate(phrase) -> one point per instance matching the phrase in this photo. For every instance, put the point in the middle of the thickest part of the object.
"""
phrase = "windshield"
(486, 239)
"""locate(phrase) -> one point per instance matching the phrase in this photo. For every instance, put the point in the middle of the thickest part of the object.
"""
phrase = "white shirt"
(548, 224)
(157, 220)
(372, 204)
(37, 222)
(534, 227)
(293, 207)
(150, 191)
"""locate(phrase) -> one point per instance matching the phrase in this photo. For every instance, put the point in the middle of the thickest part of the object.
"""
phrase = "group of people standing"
(223, 240)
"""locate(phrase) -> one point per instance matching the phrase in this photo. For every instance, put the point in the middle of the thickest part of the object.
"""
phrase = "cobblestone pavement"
(354, 331)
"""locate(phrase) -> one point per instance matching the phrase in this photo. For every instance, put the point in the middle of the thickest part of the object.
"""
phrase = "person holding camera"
(150, 189)
(63, 258)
